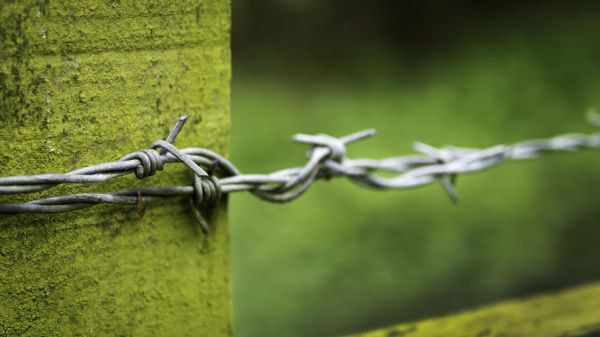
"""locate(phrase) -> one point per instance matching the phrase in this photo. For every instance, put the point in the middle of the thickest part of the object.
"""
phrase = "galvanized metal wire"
(214, 175)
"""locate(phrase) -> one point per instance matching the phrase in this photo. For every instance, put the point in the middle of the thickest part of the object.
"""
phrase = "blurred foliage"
(343, 259)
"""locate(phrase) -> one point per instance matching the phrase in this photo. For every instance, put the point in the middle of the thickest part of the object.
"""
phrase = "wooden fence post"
(84, 82)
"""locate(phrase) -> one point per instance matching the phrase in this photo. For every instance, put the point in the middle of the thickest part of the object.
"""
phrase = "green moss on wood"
(83, 82)
(570, 313)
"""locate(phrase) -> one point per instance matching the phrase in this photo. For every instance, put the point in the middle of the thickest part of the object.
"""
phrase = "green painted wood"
(83, 82)
(569, 313)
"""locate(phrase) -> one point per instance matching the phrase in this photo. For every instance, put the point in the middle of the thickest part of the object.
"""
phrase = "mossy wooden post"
(83, 82)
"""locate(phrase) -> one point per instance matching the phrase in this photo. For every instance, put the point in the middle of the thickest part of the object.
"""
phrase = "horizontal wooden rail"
(569, 313)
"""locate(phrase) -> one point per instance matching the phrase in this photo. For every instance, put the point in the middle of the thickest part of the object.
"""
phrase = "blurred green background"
(344, 259)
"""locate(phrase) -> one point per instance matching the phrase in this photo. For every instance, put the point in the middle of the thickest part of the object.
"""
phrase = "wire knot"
(336, 147)
(442, 156)
(149, 161)
(207, 193)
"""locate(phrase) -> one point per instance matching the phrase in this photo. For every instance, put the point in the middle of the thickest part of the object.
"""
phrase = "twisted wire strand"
(214, 176)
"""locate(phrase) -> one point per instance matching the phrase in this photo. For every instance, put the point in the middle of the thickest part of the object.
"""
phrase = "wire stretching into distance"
(215, 175)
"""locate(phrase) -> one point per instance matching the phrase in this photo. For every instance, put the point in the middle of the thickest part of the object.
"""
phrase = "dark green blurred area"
(344, 259)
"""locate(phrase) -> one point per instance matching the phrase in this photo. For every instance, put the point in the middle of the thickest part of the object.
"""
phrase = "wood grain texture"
(84, 82)
(570, 313)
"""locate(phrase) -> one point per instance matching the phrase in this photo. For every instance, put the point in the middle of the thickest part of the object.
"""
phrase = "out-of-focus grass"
(343, 259)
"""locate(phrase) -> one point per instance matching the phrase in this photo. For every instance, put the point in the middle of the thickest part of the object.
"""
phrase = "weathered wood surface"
(569, 313)
(83, 82)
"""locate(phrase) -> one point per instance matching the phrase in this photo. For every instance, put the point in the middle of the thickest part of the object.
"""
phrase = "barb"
(214, 175)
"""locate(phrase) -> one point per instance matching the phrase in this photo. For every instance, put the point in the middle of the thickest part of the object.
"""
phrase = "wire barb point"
(174, 132)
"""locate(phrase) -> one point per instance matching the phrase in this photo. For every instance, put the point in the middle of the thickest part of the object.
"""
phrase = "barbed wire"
(214, 175)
